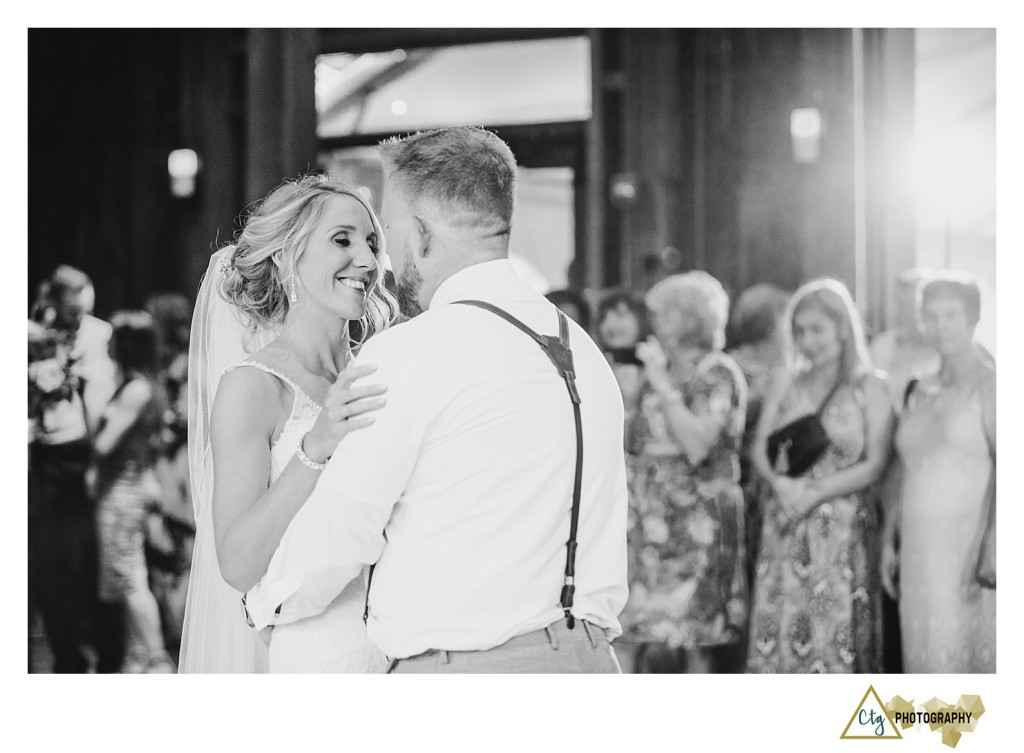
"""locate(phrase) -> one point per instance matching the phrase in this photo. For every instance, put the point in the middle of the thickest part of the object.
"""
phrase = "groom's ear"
(423, 231)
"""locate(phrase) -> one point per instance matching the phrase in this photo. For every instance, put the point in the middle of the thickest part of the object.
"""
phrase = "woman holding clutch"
(816, 591)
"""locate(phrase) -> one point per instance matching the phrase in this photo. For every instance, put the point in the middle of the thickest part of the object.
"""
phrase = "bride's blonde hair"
(267, 248)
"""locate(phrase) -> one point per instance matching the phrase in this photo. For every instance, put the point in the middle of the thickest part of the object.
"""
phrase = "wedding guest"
(687, 580)
(126, 488)
(621, 325)
(61, 535)
(944, 521)
(621, 320)
(573, 304)
(816, 592)
(757, 329)
(169, 546)
(903, 352)
(65, 304)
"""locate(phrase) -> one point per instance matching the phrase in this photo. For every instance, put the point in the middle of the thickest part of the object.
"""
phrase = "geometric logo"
(871, 720)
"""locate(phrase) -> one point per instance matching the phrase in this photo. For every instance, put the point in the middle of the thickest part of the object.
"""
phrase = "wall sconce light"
(805, 130)
(623, 190)
(671, 259)
(183, 168)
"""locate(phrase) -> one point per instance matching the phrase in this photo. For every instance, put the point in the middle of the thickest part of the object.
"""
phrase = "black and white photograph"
(517, 350)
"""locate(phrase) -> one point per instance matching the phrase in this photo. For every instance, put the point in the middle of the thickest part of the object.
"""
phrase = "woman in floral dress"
(688, 591)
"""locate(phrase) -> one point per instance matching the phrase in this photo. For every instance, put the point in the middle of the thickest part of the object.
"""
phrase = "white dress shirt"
(461, 490)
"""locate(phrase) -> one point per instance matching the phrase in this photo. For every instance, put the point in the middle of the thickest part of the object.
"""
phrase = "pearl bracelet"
(306, 460)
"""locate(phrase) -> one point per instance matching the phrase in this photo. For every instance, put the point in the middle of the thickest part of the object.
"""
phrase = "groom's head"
(448, 201)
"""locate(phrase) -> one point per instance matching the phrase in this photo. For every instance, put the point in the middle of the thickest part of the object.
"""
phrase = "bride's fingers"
(354, 394)
(357, 393)
(354, 424)
(358, 407)
(351, 373)
(339, 413)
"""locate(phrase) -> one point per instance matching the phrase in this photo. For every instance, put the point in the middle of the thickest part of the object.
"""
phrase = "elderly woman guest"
(816, 592)
(945, 517)
(688, 593)
(758, 339)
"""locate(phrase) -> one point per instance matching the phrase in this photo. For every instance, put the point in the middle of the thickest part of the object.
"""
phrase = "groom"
(462, 491)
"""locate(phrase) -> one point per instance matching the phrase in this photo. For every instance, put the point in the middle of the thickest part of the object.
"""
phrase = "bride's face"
(341, 263)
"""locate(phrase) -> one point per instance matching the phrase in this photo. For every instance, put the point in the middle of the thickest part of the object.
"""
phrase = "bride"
(270, 338)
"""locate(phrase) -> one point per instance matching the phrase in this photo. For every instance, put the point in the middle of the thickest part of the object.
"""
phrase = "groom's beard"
(408, 283)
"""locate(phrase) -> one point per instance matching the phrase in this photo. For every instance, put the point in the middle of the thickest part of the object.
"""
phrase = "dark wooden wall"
(107, 106)
(701, 119)
(699, 116)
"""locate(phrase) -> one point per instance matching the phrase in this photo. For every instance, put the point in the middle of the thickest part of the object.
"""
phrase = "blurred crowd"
(110, 512)
(802, 499)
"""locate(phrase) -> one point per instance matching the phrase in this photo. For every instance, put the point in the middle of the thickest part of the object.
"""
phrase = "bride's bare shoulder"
(247, 399)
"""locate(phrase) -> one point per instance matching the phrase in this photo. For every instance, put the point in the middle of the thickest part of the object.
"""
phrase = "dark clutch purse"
(803, 440)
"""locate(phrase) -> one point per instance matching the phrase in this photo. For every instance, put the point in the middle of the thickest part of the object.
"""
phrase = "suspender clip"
(568, 591)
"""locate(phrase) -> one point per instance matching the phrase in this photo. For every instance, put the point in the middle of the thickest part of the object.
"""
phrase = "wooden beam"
(534, 144)
(383, 40)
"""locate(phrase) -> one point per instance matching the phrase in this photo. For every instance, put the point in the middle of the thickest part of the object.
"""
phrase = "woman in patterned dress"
(816, 590)
(688, 593)
(945, 516)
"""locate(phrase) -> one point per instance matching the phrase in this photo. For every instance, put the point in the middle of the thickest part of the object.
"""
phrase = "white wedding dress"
(333, 641)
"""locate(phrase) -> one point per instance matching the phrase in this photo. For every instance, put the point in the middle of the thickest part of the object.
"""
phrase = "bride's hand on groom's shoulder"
(345, 411)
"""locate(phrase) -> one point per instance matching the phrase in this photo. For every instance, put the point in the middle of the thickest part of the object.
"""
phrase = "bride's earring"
(293, 298)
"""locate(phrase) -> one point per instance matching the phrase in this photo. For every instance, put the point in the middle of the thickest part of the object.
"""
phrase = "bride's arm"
(250, 515)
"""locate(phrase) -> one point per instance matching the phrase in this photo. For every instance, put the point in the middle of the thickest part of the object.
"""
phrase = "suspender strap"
(558, 351)
(366, 604)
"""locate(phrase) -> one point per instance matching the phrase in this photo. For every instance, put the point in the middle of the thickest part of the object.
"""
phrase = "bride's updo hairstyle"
(257, 275)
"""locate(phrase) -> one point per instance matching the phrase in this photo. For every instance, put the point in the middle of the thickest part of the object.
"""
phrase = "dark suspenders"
(558, 351)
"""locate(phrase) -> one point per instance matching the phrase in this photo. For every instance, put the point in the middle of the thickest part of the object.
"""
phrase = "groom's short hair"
(462, 170)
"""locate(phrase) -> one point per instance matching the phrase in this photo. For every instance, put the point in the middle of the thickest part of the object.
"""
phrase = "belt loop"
(552, 638)
(445, 658)
(586, 627)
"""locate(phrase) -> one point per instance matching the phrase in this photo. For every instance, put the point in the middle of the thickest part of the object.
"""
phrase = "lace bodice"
(300, 420)
(335, 640)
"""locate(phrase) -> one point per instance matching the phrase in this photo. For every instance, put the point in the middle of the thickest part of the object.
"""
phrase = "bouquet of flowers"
(51, 377)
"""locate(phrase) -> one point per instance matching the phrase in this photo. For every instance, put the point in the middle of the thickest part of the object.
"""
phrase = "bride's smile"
(340, 264)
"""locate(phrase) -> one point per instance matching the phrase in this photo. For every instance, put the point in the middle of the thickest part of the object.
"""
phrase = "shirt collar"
(484, 280)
